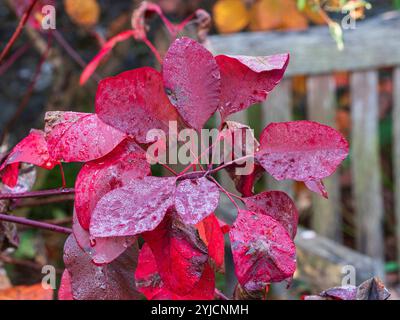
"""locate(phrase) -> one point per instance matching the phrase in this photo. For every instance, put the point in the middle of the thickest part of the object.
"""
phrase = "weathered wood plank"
(396, 151)
(373, 44)
(365, 163)
(278, 108)
(321, 107)
(320, 262)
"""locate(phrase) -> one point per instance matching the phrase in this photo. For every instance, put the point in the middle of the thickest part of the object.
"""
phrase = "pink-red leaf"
(192, 79)
(106, 48)
(301, 150)
(101, 250)
(135, 102)
(195, 199)
(211, 233)
(98, 177)
(79, 137)
(114, 281)
(148, 281)
(248, 80)
(65, 290)
(180, 254)
(32, 149)
(133, 209)
(9, 176)
(278, 205)
(317, 186)
(263, 251)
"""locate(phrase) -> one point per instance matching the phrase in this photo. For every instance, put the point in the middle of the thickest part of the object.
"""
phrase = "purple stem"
(35, 224)
(33, 194)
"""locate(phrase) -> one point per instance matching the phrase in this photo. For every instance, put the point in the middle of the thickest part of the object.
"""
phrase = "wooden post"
(321, 103)
(278, 108)
(396, 152)
(365, 163)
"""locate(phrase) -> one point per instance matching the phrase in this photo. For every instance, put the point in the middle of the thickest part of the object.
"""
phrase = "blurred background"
(344, 71)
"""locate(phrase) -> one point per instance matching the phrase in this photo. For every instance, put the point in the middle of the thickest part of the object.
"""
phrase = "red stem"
(35, 224)
(34, 194)
(15, 56)
(220, 295)
(18, 31)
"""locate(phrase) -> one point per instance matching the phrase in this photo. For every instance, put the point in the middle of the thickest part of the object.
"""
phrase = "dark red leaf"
(116, 169)
(211, 234)
(278, 205)
(114, 281)
(180, 254)
(248, 80)
(192, 79)
(106, 48)
(135, 102)
(317, 186)
(263, 251)
(65, 291)
(148, 281)
(32, 149)
(195, 199)
(133, 209)
(79, 137)
(101, 250)
(301, 150)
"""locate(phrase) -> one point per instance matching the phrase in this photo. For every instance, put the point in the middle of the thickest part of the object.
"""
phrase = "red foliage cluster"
(118, 202)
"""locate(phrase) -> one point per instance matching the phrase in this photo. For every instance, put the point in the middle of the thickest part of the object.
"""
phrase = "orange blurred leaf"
(230, 15)
(85, 13)
(34, 292)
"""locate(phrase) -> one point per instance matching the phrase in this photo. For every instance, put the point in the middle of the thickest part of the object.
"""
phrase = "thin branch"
(25, 100)
(18, 31)
(15, 56)
(226, 192)
(34, 194)
(34, 223)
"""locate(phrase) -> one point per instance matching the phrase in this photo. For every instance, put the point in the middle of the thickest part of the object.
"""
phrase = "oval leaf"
(195, 199)
(263, 251)
(180, 254)
(114, 281)
(135, 102)
(278, 205)
(98, 177)
(192, 79)
(79, 137)
(133, 209)
(248, 80)
(301, 150)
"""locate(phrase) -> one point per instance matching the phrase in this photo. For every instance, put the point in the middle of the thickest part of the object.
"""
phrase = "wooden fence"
(373, 45)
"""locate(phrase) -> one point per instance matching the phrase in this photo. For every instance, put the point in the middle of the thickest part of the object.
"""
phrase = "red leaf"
(195, 199)
(278, 205)
(116, 169)
(211, 234)
(149, 283)
(114, 281)
(32, 149)
(317, 186)
(263, 251)
(301, 150)
(65, 291)
(106, 48)
(135, 102)
(101, 250)
(79, 137)
(180, 254)
(133, 209)
(10, 175)
(192, 80)
(248, 80)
